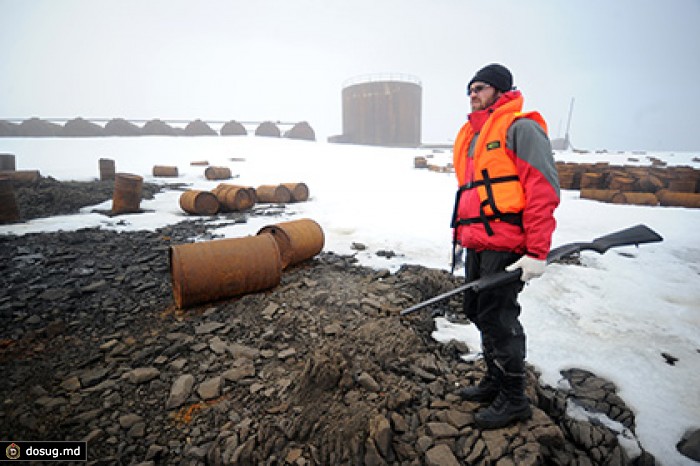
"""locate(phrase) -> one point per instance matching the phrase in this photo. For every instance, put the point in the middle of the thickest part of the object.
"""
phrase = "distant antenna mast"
(568, 125)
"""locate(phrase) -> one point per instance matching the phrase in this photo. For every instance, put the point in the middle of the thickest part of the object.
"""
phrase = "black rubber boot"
(488, 387)
(485, 392)
(511, 405)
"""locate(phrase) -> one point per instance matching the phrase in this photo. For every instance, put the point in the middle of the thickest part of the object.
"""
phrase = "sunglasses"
(476, 89)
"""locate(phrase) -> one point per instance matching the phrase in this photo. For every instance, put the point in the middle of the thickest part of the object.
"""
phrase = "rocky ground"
(319, 370)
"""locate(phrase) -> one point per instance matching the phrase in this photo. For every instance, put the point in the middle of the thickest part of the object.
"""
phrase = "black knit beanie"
(496, 75)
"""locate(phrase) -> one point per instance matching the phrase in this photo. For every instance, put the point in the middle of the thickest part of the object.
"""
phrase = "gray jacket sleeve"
(529, 141)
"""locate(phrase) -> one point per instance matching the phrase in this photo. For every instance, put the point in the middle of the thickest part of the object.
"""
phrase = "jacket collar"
(509, 101)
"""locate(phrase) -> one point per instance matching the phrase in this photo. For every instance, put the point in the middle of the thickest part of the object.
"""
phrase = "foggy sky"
(631, 65)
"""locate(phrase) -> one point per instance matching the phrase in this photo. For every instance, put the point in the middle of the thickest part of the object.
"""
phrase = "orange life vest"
(491, 172)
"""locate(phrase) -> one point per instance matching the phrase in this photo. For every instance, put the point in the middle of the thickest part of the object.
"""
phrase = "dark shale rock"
(690, 445)
(319, 370)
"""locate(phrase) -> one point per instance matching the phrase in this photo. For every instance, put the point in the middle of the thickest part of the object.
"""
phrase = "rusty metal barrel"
(420, 162)
(603, 195)
(127, 193)
(22, 176)
(591, 180)
(299, 191)
(199, 202)
(219, 269)
(621, 183)
(165, 171)
(670, 198)
(298, 240)
(650, 183)
(217, 173)
(635, 198)
(233, 198)
(107, 169)
(9, 211)
(682, 186)
(273, 194)
(7, 162)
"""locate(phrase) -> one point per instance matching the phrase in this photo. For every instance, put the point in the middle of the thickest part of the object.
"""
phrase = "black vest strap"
(487, 182)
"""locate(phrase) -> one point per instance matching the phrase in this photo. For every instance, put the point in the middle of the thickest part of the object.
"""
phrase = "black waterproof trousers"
(495, 313)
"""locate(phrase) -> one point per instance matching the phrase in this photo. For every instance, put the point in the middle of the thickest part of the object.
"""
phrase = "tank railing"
(379, 77)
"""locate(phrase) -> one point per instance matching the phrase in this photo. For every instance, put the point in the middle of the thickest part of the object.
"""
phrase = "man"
(504, 219)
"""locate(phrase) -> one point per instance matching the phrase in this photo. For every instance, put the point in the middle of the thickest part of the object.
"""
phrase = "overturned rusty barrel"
(199, 202)
(106, 169)
(219, 269)
(621, 183)
(233, 198)
(297, 240)
(591, 180)
(217, 173)
(566, 178)
(650, 183)
(165, 171)
(127, 193)
(635, 198)
(670, 198)
(682, 186)
(299, 191)
(603, 195)
(9, 212)
(273, 194)
(199, 163)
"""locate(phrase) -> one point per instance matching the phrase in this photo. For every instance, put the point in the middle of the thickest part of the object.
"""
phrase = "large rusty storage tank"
(382, 110)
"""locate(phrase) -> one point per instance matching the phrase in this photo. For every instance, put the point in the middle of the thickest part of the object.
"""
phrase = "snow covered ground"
(614, 317)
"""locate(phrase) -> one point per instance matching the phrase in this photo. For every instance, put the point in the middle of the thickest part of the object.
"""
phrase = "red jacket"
(508, 181)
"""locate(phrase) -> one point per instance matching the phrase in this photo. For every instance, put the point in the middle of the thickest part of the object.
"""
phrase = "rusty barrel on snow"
(22, 176)
(420, 162)
(298, 191)
(621, 183)
(297, 240)
(107, 169)
(7, 162)
(165, 171)
(670, 198)
(198, 202)
(9, 211)
(219, 269)
(217, 173)
(591, 180)
(233, 198)
(273, 194)
(649, 183)
(682, 186)
(635, 198)
(127, 193)
(603, 195)
(566, 174)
